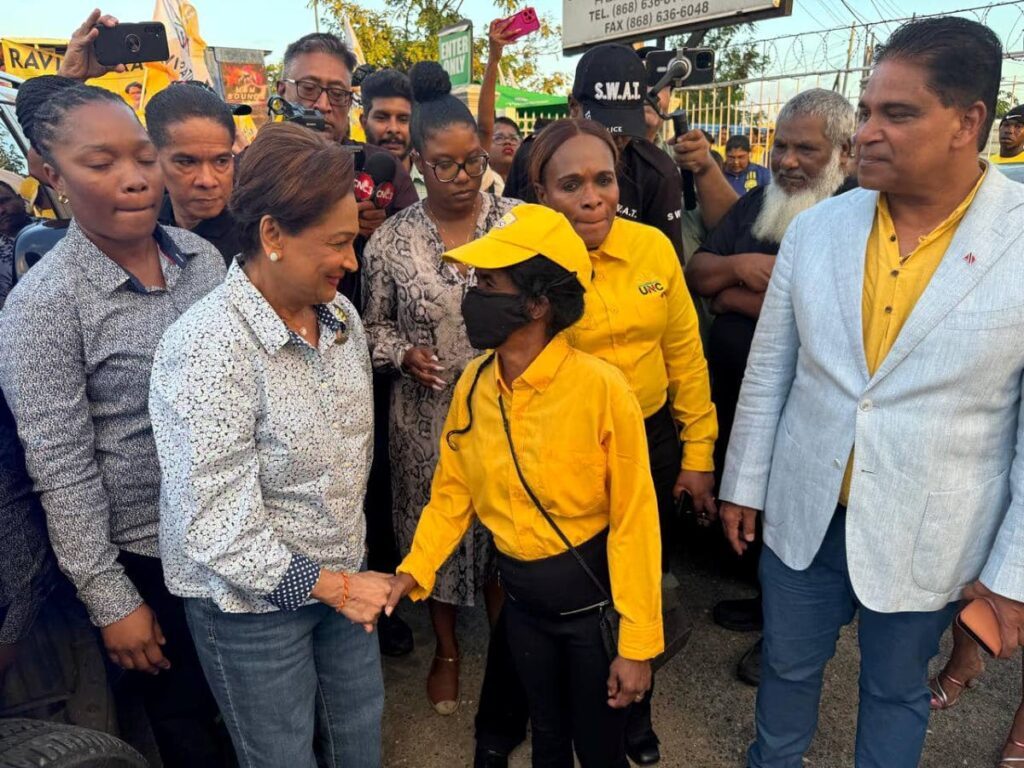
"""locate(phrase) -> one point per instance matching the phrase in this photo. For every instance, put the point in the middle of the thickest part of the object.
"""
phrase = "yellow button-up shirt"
(579, 436)
(893, 285)
(640, 318)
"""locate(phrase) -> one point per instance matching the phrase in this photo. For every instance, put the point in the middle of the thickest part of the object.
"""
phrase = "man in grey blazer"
(878, 426)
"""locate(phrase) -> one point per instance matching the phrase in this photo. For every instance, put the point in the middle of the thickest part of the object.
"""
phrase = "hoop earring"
(274, 256)
(62, 198)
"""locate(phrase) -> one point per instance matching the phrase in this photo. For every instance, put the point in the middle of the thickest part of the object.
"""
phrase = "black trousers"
(181, 709)
(502, 715)
(666, 454)
(728, 347)
(382, 551)
(564, 668)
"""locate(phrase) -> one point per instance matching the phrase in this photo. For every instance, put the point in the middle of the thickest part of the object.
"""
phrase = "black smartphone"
(699, 67)
(131, 43)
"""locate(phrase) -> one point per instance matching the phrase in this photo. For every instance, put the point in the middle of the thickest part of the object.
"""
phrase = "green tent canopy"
(515, 98)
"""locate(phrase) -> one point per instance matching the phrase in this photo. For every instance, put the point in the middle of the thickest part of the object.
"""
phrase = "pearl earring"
(274, 256)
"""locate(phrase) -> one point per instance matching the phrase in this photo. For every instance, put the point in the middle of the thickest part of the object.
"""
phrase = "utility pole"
(316, 16)
(849, 59)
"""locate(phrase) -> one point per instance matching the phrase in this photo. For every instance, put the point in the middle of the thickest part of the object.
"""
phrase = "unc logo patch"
(651, 287)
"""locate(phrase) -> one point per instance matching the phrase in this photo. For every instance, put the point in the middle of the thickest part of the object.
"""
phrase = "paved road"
(703, 715)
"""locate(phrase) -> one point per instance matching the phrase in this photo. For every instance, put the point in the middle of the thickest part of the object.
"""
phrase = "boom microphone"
(375, 182)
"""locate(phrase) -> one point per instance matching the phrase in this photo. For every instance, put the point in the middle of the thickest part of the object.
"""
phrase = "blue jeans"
(803, 613)
(282, 678)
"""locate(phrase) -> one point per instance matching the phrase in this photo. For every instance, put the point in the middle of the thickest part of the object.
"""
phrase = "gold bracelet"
(344, 591)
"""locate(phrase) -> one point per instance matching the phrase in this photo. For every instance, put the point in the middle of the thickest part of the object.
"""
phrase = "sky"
(272, 24)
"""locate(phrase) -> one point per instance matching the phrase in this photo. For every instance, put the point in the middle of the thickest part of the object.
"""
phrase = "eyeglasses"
(505, 138)
(310, 91)
(446, 171)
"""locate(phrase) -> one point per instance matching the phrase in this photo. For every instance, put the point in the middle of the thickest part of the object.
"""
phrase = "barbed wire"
(850, 45)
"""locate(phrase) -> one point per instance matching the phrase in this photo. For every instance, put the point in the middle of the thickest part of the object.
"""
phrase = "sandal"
(1011, 762)
(445, 707)
(940, 697)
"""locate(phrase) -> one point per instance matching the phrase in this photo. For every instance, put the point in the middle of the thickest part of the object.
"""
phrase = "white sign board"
(589, 22)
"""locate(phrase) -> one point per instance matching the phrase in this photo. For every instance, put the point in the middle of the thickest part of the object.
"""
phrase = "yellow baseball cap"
(522, 233)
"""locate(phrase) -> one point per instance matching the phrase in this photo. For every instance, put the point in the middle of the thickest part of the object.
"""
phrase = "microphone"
(375, 181)
(676, 71)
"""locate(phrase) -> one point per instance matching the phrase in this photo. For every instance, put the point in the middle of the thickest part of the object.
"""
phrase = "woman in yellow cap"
(641, 319)
(545, 445)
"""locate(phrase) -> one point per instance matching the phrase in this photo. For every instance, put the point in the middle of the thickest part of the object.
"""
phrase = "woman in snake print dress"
(414, 324)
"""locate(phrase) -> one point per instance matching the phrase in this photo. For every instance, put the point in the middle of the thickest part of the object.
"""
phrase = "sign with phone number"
(589, 22)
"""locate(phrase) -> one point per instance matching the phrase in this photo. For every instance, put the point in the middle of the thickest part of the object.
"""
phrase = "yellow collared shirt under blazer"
(579, 436)
(892, 285)
(640, 318)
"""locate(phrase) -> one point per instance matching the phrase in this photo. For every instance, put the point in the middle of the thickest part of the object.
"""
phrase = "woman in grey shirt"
(77, 335)
(262, 411)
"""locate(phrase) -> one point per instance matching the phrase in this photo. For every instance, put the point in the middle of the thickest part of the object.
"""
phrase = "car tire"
(41, 744)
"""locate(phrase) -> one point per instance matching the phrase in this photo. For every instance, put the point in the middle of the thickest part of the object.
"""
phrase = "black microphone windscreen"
(381, 167)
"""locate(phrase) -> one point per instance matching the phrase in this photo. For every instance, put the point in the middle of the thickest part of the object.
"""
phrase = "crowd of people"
(245, 413)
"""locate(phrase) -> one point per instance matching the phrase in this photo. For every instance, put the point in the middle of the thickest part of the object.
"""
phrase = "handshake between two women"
(361, 597)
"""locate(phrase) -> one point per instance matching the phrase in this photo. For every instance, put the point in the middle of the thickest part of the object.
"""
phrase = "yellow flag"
(186, 47)
(353, 41)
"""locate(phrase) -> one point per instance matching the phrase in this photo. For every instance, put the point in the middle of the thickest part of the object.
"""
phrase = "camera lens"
(133, 43)
(704, 60)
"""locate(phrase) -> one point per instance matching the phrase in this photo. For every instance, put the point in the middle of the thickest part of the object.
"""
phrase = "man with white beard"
(732, 268)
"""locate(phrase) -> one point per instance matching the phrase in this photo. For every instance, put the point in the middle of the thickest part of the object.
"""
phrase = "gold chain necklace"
(444, 232)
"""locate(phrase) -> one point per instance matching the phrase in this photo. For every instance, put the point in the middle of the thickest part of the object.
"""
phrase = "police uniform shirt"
(650, 187)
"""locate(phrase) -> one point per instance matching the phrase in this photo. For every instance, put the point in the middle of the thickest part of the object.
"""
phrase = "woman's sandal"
(940, 697)
(1012, 762)
(444, 707)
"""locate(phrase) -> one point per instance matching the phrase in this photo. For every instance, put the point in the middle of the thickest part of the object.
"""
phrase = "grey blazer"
(937, 496)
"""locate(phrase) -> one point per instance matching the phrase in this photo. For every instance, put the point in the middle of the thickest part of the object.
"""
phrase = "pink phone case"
(522, 23)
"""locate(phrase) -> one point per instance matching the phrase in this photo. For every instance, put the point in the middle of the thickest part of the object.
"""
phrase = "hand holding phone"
(519, 25)
(79, 62)
(980, 622)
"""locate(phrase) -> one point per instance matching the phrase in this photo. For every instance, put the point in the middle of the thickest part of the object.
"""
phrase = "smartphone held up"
(131, 43)
(520, 24)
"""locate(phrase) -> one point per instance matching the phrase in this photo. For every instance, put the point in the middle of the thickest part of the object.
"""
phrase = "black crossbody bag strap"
(544, 512)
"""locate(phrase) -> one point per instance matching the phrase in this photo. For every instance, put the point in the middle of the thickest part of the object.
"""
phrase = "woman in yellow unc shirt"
(543, 442)
(641, 319)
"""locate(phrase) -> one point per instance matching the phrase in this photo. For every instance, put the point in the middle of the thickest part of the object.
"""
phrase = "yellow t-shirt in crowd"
(892, 286)
(640, 318)
(579, 436)
(998, 159)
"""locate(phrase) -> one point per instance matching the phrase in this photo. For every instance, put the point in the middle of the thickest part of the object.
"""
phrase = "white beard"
(781, 207)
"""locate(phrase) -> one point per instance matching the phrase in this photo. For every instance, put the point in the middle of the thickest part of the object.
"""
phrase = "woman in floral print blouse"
(261, 407)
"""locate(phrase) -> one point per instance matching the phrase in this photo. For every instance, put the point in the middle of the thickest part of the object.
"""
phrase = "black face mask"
(491, 317)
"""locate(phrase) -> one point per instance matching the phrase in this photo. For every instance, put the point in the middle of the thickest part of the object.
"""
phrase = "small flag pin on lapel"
(970, 258)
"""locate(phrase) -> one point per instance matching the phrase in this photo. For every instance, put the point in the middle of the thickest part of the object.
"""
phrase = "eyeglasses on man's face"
(446, 171)
(310, 90)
